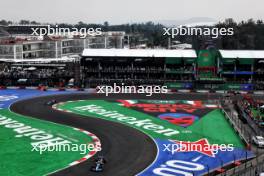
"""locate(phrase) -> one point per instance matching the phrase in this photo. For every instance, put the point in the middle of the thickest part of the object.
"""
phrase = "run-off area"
(198, 129)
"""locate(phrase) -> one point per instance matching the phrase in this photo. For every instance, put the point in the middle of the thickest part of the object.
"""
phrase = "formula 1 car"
(51, 102)
(98, 164)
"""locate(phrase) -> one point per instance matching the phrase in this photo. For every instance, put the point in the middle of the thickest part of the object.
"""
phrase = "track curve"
(127, 150)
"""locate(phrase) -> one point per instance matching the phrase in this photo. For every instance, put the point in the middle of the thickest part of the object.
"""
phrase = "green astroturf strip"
(110, 106)
(212, 126)
(217, 129)
(17, 159)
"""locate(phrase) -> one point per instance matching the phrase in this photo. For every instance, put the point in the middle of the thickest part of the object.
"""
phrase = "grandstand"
(38, 72)
(3, 32)
(179, 69)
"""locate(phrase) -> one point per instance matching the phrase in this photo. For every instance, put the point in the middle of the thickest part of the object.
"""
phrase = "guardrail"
(251, 167)
(235, 123)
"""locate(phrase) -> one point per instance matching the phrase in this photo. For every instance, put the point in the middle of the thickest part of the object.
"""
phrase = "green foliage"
(247, 34)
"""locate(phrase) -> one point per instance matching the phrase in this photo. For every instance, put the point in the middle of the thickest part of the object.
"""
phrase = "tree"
(24, 22)
(3, 22)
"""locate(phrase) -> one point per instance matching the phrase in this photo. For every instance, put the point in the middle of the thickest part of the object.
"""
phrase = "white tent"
(41, 60)
(247, 54)
(139, 53)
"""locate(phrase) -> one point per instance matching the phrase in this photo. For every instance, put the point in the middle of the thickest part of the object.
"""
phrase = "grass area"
(17, 157)
(215, 127)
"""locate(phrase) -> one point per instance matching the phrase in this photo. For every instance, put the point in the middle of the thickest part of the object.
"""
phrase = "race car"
(98, 164)
(51, 102)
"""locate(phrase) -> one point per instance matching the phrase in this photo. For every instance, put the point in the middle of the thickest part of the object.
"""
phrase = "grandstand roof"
(40, 60)
(139, 53)
(252, 54)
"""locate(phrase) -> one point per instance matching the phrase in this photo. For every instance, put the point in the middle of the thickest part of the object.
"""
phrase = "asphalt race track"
(127, 150)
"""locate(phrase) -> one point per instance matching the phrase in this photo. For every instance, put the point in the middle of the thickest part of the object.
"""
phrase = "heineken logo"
(188, 106)
(180, 113)
(146, 124)
(180, 119)
(201, 146)
(39, 137)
